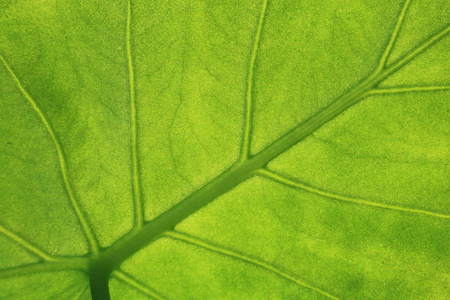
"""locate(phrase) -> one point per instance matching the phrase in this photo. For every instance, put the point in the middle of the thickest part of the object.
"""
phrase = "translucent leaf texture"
(271, 149)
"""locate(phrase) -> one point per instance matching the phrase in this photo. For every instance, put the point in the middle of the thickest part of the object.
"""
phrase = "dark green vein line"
(62, 163)
(298, 185)
(127, 279)
(202, 244)
(137, 194)
(25, 244)
(47, 266)
(393, 38)
(408, 89)
(245, 148)
(151, 231)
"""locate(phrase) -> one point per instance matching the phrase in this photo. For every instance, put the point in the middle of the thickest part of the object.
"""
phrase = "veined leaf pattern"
(194, 178)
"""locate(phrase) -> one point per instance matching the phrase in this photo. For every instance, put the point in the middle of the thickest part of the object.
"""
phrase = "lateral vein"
(137, 194)
(25, 244)
(407, 89)
(208, 246)
(127, 279)
(299, 185)
(401, 62)
(62, 163)
(245, 148)
(393, 38)
(45, 266)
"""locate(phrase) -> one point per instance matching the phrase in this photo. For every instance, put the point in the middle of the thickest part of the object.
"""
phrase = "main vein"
(240, 172)
(245, 147)
(137, 196)
(62, 163)
(295, 184)
(208, 246)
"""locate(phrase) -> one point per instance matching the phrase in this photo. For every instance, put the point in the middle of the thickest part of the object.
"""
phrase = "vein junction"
(51, 263)
(47, 262)
(245, 147)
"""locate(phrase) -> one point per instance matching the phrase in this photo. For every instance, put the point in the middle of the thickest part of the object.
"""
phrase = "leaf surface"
(224, 150)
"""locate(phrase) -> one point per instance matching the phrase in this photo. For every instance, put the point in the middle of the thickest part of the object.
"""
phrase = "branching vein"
(137, 194)
(245, 148)
(127, 279)
(400, 63)
(205, 245)
(295, 184)
(62, 163)
(393, 38)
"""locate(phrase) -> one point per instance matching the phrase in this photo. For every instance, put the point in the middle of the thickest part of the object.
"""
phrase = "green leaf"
(271, 149)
